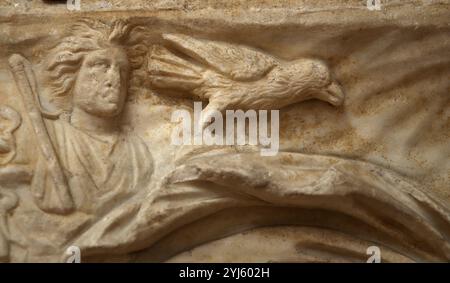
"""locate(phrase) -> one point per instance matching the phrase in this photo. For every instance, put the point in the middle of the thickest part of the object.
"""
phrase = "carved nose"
(112, 77)
(111, 81)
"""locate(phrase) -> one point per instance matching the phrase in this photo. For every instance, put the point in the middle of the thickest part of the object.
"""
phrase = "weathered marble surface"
(373, 169)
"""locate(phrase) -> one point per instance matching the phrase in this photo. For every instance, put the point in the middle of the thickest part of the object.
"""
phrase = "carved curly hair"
(64, 60)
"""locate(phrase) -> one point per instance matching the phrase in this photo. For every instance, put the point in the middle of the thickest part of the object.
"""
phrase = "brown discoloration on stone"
(388, 141)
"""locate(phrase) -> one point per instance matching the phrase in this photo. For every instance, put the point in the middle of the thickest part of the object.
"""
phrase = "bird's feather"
(237, 62)
(167, 70)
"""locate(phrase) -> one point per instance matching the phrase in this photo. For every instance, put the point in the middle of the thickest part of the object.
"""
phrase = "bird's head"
(312, 78)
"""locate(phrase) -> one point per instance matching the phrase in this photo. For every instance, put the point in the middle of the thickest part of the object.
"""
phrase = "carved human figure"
(102, 164)
(9, 122)
(85, 77)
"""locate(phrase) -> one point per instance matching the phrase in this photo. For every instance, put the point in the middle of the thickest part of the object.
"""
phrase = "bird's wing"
(166, 70)
(238, 62)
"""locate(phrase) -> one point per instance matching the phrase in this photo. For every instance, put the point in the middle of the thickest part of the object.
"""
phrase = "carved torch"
(25, 80)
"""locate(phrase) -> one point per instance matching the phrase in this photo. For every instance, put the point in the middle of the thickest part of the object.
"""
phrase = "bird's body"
(236, 77)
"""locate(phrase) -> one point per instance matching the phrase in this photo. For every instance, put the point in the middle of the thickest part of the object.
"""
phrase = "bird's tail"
(169, 71)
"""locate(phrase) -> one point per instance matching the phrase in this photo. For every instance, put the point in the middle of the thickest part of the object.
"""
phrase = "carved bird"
(237, 77)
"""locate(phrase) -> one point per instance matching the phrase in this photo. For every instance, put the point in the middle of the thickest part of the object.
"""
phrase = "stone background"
(394, 65)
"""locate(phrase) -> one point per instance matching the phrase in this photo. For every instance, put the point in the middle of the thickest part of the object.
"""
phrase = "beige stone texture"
(87, 157)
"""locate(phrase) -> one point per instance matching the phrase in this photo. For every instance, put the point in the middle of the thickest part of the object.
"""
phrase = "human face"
(101, 85)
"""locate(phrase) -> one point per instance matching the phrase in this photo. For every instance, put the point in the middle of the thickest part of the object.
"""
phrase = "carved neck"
(85, 121)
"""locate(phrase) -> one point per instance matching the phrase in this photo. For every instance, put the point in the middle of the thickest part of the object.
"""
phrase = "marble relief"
(86, 158)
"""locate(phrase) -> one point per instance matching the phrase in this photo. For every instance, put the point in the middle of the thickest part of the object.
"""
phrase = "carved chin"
(107, 110)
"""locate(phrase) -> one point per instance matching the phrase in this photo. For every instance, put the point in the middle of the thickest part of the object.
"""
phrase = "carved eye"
(101, 64)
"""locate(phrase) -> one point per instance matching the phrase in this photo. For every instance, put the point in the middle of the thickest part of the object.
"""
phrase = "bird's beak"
(334, 94)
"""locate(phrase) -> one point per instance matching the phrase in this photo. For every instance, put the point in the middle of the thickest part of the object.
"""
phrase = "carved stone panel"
(258, 131)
